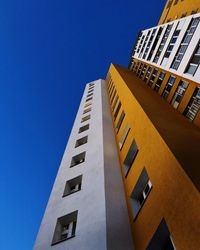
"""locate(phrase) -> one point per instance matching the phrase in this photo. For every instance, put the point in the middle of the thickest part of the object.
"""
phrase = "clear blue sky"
(49, 49)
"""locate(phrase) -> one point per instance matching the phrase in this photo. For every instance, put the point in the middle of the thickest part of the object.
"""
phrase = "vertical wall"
(102, 221)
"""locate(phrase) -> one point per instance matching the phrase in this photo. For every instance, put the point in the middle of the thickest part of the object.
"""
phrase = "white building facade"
(87, 208)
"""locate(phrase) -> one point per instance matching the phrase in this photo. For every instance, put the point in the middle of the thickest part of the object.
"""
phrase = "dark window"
(193, 106)
(168, 87)
(130, 157)
(194, 62)
(140, 192)
(159, 81)
(121, 118)
(117, 110)
(161, 238)
(81, 141)
(65, 228)
(77, 159)
(179, 93)
(83, 128)
(72, 186)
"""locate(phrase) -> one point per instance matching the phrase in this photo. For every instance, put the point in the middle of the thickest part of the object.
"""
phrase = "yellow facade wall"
(173, 196)
(183, 7)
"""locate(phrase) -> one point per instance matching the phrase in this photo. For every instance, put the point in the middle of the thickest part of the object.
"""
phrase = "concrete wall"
(100, 210)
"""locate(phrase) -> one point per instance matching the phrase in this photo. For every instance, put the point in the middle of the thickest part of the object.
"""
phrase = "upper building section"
(175, 9)
(173, 47)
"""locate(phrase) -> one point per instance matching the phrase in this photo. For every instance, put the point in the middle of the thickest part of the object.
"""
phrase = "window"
(179, 93)
(81, 141)
(154, 74)
(121, 118)
(87, 110)
(172, 43)
(124, 136)
(89, 99)
(77, 159)
(65, 228)
(72, 186)
(175, 2)
(91, 84)
(83, 128)
(168, 87)
(161, 238)
(148, 74)
(185, 43)
(140, 192)
(130, 157)
(87, 104)
(117, 110)
(113, 96)
(149, 43)
(115, 102)
(159, 81)
(193, 106)
(145, 41)
(155, 43)
(91, 91)
(89, 95)
(162, 44)
(85, 118)
(194, 62)
(143, 71)
(194, 11)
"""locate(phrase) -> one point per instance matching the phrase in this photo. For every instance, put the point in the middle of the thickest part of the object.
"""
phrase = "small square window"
(85, 118)
(77, 159)
(87, 104)
(89, 99)
(81, 141)
(65, 228)
(130, 157)
(84, 128)
(140, 192)
(89, 95)
(87, 110)
(72, 186)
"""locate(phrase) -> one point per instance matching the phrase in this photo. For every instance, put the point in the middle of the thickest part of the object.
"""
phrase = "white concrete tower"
(87, 208)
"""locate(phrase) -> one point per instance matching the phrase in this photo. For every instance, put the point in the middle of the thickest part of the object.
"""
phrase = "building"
(129, 177)
(87, 206)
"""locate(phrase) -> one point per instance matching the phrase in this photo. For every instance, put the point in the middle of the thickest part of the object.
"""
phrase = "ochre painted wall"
(174, 195)
(176, 11)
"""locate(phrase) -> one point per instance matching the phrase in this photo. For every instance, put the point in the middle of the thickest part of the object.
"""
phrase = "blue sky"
(48, 51)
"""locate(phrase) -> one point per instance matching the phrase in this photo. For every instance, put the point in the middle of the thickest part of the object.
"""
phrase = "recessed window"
(194, 62)
(161, 238)
(140, 192)
(89, 99)
(65, 228)
(113, 96)
(87, 104)
(117, 110)
(77, 159)
(91, 84)
(154, 74)
(193, 106)
(124, 136)
(168, 87)
(119, 123)
(148, 73)
(81, 141)
(159, 81)
(143, 71)
(87, 110)
(84, 128)
(91, 94)
(179, 93)
(115, 102)
(73, 186)
(130, 157)
(85, 118)
(91, 91)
